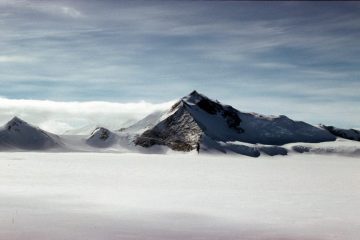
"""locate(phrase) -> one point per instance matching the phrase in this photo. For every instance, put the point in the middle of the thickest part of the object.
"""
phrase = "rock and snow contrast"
(88, 190)
(102, 137)
(196, 119)
(193, 122)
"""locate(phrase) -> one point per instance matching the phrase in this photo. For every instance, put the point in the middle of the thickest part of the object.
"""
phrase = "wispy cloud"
(130, 50)
(15, 59)
(56, 8)
(59, 117)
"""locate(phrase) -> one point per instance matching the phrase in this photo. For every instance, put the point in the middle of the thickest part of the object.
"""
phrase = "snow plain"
(93, 196)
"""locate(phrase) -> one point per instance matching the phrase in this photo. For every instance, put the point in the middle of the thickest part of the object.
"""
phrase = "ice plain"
(92, 196)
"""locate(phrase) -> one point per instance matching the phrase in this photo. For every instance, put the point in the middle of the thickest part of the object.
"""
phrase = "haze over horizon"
(299, 59)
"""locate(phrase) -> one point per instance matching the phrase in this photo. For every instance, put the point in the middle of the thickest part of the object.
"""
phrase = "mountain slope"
(179, 131)
(195, 115)
(19, 134)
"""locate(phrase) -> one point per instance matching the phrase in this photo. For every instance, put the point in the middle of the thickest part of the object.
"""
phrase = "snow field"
(178, 196)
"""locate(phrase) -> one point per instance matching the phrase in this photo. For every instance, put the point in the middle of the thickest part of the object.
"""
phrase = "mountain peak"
(15, 122)
(101, 133)
(102, 137)
(194, 93)
(19, 134)
(194, 97)
(196, 115)
(17, 119)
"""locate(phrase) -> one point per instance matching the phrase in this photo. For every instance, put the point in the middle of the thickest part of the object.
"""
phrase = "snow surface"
(92, 196)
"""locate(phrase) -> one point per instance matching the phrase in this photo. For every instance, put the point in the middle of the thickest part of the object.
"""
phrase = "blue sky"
(300, 59)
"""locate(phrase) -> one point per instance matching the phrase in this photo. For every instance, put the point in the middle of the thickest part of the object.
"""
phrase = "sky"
(60, 58)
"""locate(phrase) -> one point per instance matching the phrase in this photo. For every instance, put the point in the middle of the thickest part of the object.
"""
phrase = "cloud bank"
(76, 117)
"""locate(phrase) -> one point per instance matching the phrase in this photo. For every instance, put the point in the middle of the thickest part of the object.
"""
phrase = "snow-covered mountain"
(102, 138)
(19, 134)
(196, 117)
(195, 121)
(350, 134)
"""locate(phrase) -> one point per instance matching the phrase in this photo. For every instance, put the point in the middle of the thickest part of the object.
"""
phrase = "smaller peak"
(101, 133)
(102, 129)
(99, 129)
(16, 121)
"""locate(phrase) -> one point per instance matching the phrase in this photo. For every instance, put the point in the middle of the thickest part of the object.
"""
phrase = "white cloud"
(15, 59)
(51, 8)
(72, 12)
(59, 117)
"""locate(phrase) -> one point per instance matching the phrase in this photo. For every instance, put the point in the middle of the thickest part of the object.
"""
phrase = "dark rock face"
(350, 134)
(213, 107)
(301, 149)
(232, 118)
(209, 106)
(196, 117)
(273, 150)
(103, 133)
(15, 124)
(102, 138)
(179, 131)
(244, 150)
(175, 106)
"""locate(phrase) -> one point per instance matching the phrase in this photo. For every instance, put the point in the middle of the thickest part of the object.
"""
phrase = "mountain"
(19, 134)
(196, 117)
(144, 124)
(102, 138)
(350, 134)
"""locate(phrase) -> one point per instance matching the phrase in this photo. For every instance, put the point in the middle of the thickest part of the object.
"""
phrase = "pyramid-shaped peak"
(194, 97)
(16, 121)
(194, 93)
(102, 137)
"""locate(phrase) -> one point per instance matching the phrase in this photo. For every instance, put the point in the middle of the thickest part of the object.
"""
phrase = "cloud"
(83, 117)
(15, 59)
(72, 12)
(55, 8)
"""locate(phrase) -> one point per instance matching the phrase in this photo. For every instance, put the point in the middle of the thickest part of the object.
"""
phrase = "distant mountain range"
(194, 122)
